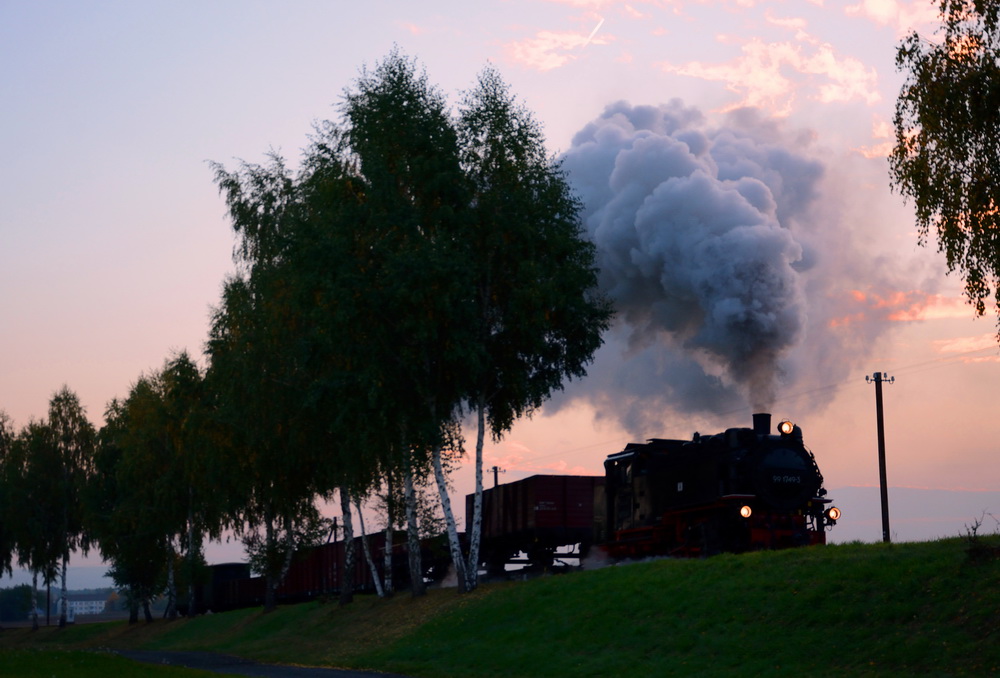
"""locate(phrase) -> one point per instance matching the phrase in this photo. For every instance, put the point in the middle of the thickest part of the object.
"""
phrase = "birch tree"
(7, 508)
(35, 492)
(73, 439)
(120, 512)
(538, 318)
(397, 126)
(264, 366)
(947, 150)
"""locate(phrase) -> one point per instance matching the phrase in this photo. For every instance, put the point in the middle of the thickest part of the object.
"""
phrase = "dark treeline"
(421, 267)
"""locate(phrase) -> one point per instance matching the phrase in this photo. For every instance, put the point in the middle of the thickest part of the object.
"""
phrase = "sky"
(709, 140)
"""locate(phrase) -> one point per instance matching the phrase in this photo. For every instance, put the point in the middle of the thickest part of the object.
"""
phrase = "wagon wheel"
(541, 557)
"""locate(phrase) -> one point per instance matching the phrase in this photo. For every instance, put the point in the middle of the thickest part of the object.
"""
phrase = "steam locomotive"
(740, 490)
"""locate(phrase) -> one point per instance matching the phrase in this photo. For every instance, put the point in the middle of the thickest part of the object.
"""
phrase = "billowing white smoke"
(707, 238)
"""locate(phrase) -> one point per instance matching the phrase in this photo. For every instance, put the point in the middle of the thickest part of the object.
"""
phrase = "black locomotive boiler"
(739, 490)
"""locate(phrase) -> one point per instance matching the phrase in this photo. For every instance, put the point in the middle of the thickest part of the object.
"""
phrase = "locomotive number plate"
(786, 480)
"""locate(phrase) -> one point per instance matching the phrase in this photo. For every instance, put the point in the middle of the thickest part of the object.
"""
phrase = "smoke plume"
(711, 243)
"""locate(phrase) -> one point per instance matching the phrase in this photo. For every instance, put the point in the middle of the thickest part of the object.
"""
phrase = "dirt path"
(237, 666)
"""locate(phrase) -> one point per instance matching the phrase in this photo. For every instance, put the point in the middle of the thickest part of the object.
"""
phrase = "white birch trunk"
(171, 611)
(388, 586)
(190, 552)
(453, 544)
(347, 576)
(417, 587)
(286, 564)
(270, 545)
(368, 552)
(34, 600)
(63, 596)
(474, 530)
(387, 572)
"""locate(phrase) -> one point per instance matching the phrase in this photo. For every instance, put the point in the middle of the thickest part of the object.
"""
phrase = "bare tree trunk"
(454, 545)
(63, 596)
(133, 606)
(347, 576)
(191, 551)
(368, 552)
(34, 600)
(390, 510)
(286, 564)
(417, 587)
(146, 612)
(171, 611)
(474, 530)
(270, 583)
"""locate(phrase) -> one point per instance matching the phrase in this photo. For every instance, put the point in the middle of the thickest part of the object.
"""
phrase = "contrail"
(594, 32)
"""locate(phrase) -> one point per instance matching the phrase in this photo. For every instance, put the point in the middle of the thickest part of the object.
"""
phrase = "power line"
(906, 369)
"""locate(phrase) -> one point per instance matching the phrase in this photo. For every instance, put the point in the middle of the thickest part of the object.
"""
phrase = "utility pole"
(496, 471)
(878, 378)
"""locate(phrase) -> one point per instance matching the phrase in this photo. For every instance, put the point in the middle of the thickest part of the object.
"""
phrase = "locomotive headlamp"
(786, 427)
(833, 513)
(746, 511)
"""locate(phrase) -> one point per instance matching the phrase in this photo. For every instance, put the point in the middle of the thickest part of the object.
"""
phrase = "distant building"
(87, 603)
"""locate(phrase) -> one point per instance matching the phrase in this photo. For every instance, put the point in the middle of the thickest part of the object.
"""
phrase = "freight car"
(318, 571)
(529, 521)
(739, 490)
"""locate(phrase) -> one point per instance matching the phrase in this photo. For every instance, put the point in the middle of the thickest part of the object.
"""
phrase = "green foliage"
(32, 489)
(7, 543)
(15, 603)
(538, 315)
(416, 302)
(158, 480)
(947, 147)
(132, 534)
(47, 467)
(416, 264)
(73, 439)
(258, 373)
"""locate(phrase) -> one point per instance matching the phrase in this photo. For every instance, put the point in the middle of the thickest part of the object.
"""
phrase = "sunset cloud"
(903, 17)
(553, 49)
(900, 306)
(514, 456)
(883, 138)
(960, 345)
(412, 28)
(771, 75)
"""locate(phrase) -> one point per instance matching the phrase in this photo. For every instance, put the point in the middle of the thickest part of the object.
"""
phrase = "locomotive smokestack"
(762, 423)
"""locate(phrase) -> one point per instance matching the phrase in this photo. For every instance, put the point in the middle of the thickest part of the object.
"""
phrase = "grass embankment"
(898, 609)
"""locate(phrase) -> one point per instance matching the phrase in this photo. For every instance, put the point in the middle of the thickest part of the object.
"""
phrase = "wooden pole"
(878, 378)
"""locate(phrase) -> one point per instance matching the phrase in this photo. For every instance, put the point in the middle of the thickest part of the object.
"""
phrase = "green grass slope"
(902, 609)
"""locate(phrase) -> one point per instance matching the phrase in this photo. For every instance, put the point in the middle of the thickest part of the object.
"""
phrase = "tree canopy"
(420, 264)
(947, 150)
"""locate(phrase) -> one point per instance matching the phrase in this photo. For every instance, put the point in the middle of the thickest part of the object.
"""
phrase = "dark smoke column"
(694, 246)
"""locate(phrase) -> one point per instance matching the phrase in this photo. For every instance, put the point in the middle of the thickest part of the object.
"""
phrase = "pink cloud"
(901, 16)
(965, 345)
(771, 75)
(883, 137)
(879, 150)
(553, 49)
(900, 306)
(413, 28)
